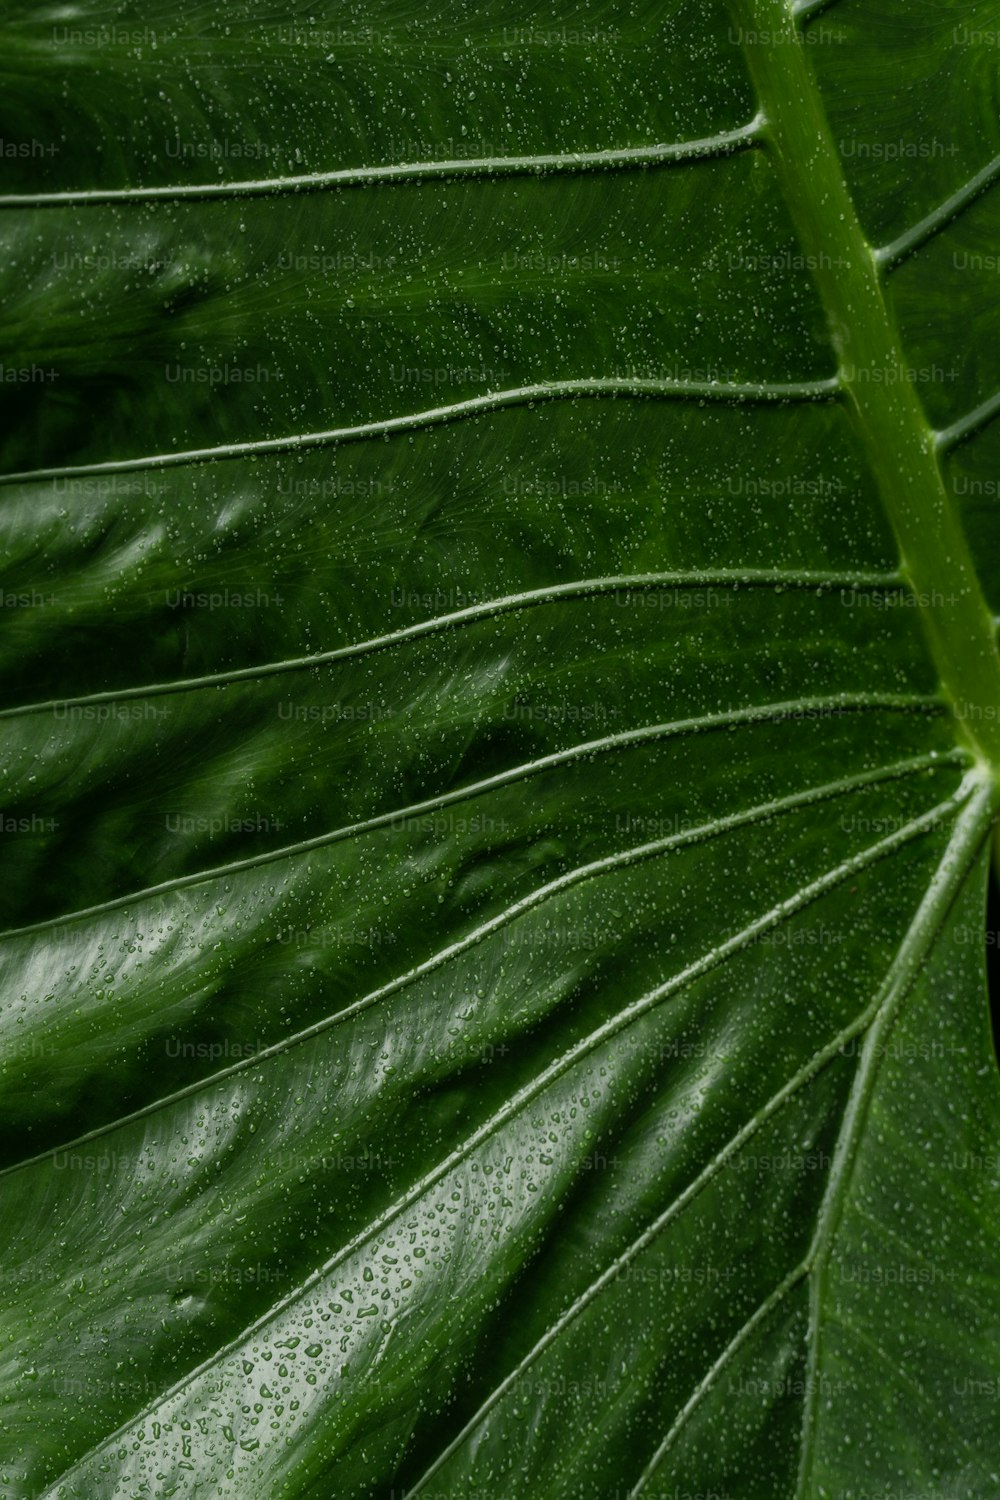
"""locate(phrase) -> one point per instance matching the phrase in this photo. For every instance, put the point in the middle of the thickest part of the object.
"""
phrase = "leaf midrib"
(900, 443)
(904, 454)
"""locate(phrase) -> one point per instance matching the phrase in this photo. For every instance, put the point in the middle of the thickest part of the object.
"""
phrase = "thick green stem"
(877, 381)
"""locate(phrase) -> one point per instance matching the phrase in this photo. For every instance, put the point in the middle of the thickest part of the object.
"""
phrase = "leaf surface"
(501, 708)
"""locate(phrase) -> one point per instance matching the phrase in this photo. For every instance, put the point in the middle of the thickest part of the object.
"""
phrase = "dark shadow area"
(993, 955)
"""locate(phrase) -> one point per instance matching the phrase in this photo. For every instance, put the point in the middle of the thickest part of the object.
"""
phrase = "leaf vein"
(622, 859)
(725, 143)
(727, 393)
(713, 959)
(770, 713)
(587, 588)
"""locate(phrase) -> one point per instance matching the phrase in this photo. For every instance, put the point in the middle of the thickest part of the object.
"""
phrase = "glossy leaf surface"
(500, 714)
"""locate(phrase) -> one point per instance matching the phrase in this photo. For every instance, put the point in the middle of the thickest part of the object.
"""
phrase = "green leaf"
(501, 712)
